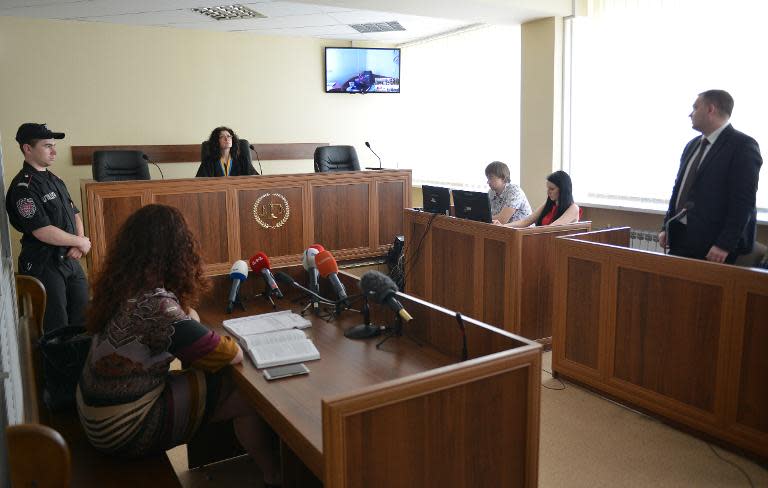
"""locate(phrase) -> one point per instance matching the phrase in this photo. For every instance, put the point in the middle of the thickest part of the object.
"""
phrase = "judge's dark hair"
(721, 99)
(562, 181)
(214, 149)
(499, 170)
(154, 248)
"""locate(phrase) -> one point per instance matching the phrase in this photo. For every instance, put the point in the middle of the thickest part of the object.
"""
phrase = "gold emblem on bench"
(271, 210)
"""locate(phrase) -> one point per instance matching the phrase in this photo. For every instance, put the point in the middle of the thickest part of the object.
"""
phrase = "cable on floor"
(562, 385)
(746, 475)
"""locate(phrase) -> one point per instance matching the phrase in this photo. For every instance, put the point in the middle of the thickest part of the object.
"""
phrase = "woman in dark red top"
(559, 208)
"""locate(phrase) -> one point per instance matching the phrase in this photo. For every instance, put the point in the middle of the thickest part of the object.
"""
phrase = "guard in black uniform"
(53, 241)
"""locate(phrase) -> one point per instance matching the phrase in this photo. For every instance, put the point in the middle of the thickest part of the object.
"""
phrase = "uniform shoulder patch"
(26, 207)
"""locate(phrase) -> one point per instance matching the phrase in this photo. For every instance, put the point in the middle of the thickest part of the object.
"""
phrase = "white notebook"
(281, 347)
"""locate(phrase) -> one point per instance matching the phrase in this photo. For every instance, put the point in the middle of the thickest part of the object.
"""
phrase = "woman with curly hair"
(141, 318)
(225, 155)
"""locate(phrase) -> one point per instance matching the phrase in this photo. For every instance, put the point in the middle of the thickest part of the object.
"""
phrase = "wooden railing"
(682, 338)
(354, 214)
(499, 275)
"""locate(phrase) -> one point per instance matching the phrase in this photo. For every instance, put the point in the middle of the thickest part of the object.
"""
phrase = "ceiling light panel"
(229, 12)
(378, 27)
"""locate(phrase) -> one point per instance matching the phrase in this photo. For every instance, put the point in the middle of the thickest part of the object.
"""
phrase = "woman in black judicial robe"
(224, 154)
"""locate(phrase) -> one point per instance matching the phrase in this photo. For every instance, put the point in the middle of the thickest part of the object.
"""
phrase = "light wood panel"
(501, 275)
(343, 211)
(678, 337)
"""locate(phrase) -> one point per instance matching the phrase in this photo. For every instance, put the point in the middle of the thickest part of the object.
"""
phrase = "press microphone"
(287, 280)
(308, 261)
(260, 264)
(368, 145)
(261, 171)
(238, 273)
(382, 289)
(146, 158)
(327, 267)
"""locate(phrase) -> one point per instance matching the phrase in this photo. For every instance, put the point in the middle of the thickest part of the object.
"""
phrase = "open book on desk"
(265, 322)
(278, 348)
(272, 339)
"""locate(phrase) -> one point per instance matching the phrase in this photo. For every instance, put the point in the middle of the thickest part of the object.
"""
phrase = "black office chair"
(336, 158)
(120, 165)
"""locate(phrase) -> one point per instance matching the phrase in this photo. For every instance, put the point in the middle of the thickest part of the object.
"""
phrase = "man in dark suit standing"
(712, 211)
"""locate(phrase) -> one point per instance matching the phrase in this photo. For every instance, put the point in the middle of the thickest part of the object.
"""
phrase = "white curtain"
(463, 97)
(637, 69)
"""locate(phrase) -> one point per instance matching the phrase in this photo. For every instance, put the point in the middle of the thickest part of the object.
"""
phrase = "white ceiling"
(328, 19)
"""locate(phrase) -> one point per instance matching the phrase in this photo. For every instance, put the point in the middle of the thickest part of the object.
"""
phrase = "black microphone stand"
(377, 157)
(267, 294)
(238, 301)
(366, 329)
(393, 331)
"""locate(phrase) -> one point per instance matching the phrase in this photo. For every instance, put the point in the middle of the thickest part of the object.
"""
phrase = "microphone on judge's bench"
(368, 145)
(261, 171)
(146, 158)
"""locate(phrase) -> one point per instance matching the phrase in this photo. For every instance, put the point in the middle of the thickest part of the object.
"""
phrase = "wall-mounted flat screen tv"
(362, 70)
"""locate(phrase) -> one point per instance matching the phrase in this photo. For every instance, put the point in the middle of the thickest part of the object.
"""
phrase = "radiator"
(646, 240)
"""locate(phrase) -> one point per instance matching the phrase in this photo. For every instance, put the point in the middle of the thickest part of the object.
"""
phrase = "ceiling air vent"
(229, 12)
(378, 27)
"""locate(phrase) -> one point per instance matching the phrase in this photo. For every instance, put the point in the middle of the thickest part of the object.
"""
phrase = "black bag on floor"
(64, 352)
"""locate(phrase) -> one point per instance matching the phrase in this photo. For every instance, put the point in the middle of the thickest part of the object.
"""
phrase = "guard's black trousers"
(66, 288)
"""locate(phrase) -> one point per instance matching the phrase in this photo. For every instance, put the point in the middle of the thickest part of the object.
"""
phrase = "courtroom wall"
(107, 84)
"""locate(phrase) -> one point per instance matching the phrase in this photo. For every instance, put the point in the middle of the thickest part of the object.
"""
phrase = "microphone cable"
(407, 269)
(146, 158)
(261, 171)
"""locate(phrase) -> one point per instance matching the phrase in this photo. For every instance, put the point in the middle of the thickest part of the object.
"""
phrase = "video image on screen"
(362, 70)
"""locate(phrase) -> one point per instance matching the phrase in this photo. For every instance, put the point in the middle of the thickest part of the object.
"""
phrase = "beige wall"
(541, 101)
(110, 84)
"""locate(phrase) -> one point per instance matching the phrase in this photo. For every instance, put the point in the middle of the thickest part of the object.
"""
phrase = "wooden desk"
(681, 338)
(408, 414)
(354, 214)
(500, 275)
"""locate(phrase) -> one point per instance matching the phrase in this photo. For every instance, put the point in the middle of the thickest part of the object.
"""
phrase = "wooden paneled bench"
(88, 467)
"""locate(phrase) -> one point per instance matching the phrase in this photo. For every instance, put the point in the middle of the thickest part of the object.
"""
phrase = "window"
(462, 92)
(637, 68)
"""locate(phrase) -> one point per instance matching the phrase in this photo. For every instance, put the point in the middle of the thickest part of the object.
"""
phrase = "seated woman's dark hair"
(563, 182)
(153, 248)
(499, 170)
(214, 149)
